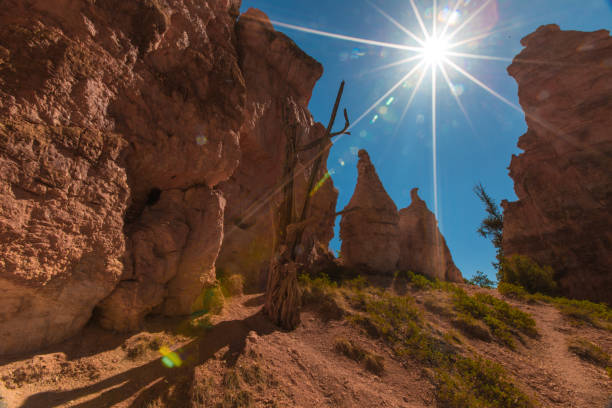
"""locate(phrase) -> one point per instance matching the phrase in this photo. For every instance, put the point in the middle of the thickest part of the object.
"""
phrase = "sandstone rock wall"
(118, 122)
(564, 177)
(423, 249)
(280, 79)
(370, 227)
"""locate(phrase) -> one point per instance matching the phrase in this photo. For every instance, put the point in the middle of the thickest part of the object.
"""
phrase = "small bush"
(346, 347)
(372, 362)
(503, 320)
(589, 352)
(521, 270)
(211, 300)
(471, 327)
(232, 285)
(482, 280)
(512, 291)
(479, 383)
(418, 281)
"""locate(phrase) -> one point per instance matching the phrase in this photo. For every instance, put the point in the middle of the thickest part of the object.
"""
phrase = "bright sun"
(435, 49)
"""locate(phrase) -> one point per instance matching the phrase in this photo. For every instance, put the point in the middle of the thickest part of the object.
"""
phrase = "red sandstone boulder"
(423, 249)
(369, 229)
(564, 177)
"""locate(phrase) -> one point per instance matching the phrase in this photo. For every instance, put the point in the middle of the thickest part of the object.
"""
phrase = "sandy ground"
(294, 369)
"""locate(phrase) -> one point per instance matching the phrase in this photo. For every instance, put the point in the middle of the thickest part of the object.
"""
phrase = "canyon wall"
(122, 126)
(564, 177)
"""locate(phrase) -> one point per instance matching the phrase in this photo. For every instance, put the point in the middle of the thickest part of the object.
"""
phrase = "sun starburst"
(437, 51)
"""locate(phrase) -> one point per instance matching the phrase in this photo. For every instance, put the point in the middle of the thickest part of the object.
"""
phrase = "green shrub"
(372, 362)
(350, 350)
(232, 285)
(479, 383)
(482, 280)
(512, 291)
(471, 327)
(521, 270)
(589, 352)
(211, 300)
(502, 319)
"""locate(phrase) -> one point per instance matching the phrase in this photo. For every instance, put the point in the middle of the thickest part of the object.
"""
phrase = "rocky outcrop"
(279, 79)
(369, 228)
(127, 132)
(564, 179)
(423, 249)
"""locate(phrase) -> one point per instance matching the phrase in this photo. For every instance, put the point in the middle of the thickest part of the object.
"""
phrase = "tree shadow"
(154, 377)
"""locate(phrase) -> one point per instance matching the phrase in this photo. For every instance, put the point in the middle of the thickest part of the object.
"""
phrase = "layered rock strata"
(564, 177)
(423, 249)
(118, 122)
(370, 225)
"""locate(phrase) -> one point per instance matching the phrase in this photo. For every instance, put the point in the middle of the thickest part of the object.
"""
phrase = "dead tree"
(283, 299)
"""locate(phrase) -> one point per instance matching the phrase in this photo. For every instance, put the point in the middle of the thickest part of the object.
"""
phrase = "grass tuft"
(589, 352)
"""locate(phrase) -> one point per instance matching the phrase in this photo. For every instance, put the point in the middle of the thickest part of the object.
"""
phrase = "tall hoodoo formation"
(370, 227)
(423, 249)
(118, 122)
(564, 177)
(280, 78)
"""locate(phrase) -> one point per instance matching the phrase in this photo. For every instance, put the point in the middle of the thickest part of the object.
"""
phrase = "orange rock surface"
(564, 177)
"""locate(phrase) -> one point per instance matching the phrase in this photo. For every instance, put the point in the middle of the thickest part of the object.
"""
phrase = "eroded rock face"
(117, 120)
(370, 227)
(279, 79)
(564, 177)
(423, 249)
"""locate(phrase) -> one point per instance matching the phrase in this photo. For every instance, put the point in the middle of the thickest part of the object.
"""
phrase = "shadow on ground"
(154, 377)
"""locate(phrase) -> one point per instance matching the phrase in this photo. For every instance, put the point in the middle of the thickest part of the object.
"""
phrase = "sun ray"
(414, 92)
(419, 18)
(344, 37)
(478, 56)
(469, 19)
(455, 7)
(393, 88)
(482, 85)
(451, 87)
(434, 138)
(434, 18)
(393, 64)
(396, 23)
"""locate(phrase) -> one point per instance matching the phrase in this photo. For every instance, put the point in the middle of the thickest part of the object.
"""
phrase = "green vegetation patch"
(462, 382)
(589, 352)
(522, 271)
(504, 321)
(597, 315)
(372, 362)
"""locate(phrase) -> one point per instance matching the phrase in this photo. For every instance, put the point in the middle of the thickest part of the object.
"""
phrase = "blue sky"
(402, 151)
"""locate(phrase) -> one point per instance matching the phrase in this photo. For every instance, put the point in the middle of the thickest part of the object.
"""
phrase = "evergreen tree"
(493, 225)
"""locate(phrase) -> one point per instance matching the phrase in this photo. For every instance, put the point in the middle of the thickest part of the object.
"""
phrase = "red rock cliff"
(118, 122)
(279, 78)
(564, 177)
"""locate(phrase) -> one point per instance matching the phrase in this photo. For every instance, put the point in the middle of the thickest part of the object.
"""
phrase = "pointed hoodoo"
(370, 227)
(422, 247)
